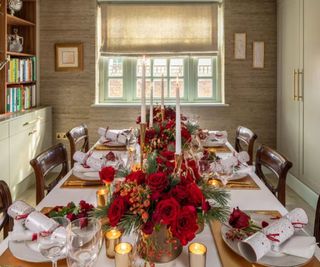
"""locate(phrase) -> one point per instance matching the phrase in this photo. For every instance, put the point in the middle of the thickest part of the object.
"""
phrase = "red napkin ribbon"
(85, 165)
(272, 237)
(22, 216)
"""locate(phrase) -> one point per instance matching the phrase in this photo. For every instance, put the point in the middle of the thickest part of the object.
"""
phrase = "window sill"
(116, 105)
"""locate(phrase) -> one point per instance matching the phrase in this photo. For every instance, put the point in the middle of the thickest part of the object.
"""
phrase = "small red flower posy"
(241, 225)
(107, 174)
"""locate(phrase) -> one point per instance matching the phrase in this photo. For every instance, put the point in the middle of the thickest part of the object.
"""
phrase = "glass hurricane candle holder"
(197, 255)
(123, 255)
(112, 239)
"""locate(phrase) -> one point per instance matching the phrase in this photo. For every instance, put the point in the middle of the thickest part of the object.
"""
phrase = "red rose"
(150, 134)
(193, 165)
(157, 181)
(238, 219)
(196, 197)
(205, 206)
(107, 174)
(137, 176)
(168, 155)
(111, 156)
(185, 135)
(85, 206)
(71, 217)
(116, 211)
(185, 226)
(180, 193)
(166, 211)
(147, 228)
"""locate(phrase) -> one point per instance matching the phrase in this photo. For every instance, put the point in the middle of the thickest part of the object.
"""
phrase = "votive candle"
(102, 196)
(151, 108)
(197, 255)
(123, 255)
(143, 91)
(112, 239)
(178, 119)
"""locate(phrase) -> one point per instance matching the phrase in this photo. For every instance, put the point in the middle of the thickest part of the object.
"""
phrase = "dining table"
(260, 199)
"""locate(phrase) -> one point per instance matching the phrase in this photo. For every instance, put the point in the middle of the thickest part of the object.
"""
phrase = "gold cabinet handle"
(300, 98)
(295, 97)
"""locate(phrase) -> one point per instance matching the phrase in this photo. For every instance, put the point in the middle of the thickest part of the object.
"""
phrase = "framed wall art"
(69, 57)
(240, 45)
(258, 55)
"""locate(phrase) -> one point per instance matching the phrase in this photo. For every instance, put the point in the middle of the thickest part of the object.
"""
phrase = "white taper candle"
(178, 119)
(162, 92)
(143, 91)
(151, 108)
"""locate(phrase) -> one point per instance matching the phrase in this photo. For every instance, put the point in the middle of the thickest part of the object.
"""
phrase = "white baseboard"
(302, 190)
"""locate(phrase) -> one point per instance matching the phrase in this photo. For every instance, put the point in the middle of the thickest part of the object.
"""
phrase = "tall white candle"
(151, 108)
(143, 91)
(178, 119)
(162, 92)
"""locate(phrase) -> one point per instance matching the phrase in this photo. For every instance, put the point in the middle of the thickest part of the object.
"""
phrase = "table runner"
(246, 183)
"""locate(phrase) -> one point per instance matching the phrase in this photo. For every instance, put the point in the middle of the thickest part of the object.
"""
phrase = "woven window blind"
(158, 28)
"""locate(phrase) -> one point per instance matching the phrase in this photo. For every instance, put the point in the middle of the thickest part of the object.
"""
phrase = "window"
(189, 51)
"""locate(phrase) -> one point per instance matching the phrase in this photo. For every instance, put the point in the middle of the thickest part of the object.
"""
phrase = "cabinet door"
(289, 121)
(4, 162)
(22, 150)
(43, 137)
(311, 93)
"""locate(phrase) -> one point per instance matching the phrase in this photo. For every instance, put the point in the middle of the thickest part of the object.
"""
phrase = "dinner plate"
(87, 176)
(27, 251)
(272, 259)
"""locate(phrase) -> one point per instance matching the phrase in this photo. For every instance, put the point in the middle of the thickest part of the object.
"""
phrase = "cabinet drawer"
(4, 130)
(43, 115)
(22, 123)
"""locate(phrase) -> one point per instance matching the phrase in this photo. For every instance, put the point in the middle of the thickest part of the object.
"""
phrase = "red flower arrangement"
(107, 174)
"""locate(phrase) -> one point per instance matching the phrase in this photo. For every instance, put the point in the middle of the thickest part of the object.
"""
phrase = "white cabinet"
(21, 139)
(299, 88)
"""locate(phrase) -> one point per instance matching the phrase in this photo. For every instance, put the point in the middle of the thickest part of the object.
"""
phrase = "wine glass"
(53, 246)
(84, 240)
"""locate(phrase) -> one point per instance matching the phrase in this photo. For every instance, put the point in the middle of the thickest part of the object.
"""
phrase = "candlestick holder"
(163, 112)
(112, 239)
(143, 127)
(177, 162)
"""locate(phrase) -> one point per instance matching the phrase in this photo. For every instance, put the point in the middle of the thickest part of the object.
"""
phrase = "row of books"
(21, 98)
(22, 70)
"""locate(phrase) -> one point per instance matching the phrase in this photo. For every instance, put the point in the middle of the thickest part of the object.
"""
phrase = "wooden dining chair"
(78, 136)
(278, 165)
(316, 232)
(245, 136)
(43, 164)
(6, 222)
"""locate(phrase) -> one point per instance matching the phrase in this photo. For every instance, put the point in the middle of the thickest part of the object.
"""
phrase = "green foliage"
(152, 165)
(220, 196)
(192, 128)
(122, 172)
(130, 223)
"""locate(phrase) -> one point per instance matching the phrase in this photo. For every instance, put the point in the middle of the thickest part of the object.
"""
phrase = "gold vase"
(159, 247)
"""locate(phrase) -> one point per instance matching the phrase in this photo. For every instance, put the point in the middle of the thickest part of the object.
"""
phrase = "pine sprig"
(219, 196)
(130, 223)
(122, 172)
(192, 128)
(216, 213)
(152, 165)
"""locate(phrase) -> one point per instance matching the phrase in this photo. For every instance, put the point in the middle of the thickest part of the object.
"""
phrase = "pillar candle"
(178, 119)
(162, 92)
(151, 108)
(143, 92)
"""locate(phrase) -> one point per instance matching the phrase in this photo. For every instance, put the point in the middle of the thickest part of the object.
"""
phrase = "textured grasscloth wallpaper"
(251, 93)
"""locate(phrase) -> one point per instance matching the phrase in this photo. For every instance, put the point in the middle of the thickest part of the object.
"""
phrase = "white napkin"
(300, 246)
(112, 137)
(19, 236)
(79, 168)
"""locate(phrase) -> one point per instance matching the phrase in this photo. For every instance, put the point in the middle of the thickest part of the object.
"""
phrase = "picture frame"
(240, 46)
(258, 54)
(69, 57)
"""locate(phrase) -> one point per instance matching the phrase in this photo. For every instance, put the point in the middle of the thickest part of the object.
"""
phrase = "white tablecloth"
(261, 199)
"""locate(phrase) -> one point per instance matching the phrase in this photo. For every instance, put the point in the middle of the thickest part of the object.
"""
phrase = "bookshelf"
(18, 79)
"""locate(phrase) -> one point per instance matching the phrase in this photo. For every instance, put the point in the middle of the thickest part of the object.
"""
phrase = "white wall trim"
(302, 190)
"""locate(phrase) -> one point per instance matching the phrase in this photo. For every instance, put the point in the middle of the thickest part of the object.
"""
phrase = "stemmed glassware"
(84, 239)
(54, 247)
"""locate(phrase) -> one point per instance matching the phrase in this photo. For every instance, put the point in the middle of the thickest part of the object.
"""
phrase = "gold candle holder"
(143, 128)
(197, 255)
(123, 255)
(102, 196)
(177, 162)
(163, 112)
(112, 239)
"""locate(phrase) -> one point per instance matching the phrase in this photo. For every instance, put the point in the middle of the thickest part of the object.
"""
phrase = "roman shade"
(128, 28)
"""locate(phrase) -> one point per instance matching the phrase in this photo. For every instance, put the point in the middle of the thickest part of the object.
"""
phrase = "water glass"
(84, 240)
(54, 248)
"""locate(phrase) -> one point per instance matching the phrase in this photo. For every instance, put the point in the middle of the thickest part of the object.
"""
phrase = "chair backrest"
(317, 223)
(6, 222)
(77, 136)
(278, 164)
(248, 137)
(44, 163)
